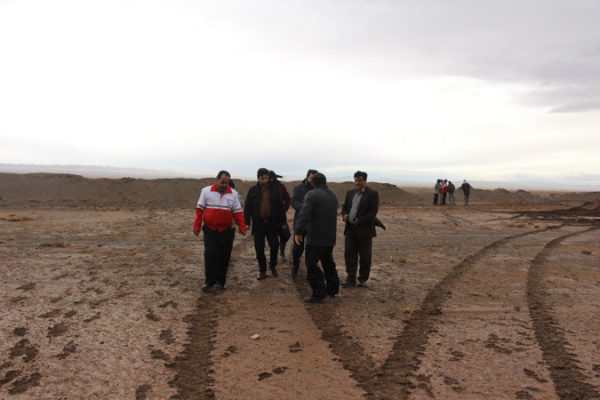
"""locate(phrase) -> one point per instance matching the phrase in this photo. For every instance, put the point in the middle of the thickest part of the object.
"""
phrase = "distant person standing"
(217, 207)
(300, 191)
(316, 224)
(451, 190)
(264, 211)
(444, 191)
(284, 230)
(436, 191)
(358, 212)
(466, 188)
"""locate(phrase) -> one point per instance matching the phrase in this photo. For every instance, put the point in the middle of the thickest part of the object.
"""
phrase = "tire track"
(564, 368)
(395, 377)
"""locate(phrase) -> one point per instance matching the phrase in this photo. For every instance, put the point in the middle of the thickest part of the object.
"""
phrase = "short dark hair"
(319, 179)
(359, 174)
(311, 172)
(261, 172)
(223, 172)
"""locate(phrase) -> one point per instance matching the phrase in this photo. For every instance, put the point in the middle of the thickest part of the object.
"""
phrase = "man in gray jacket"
(316, 223)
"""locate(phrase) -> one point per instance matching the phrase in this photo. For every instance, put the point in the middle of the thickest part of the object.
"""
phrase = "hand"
(345, 217)
(196, 233)
(243, 232)
(354, 221)
(298, 239)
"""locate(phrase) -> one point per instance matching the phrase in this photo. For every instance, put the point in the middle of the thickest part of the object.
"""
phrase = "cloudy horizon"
(490, 91)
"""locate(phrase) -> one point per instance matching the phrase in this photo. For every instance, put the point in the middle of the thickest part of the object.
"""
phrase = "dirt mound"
(76, 191)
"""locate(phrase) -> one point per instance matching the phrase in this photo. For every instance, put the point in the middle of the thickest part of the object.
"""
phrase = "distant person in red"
(284, 229)
(217, 206)
(466, 188)
(444, 192)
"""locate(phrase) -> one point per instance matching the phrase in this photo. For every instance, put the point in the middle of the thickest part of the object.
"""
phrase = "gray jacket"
(317, 218)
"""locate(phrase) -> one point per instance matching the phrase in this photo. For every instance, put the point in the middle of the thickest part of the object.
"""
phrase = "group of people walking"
(444, 189)
(315, 228)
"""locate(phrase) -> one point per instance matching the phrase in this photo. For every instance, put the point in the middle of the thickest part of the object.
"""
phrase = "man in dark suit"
(359, 213)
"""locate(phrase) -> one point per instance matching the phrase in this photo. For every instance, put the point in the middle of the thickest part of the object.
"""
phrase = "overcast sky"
(406, 90)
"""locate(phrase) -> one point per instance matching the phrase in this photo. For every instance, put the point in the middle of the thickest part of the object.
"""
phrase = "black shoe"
(333, 296)
(313, 299)
(261, 276)
(361, 284)
(349, 284)
(274, 273)
(221, 286)
(206, 288)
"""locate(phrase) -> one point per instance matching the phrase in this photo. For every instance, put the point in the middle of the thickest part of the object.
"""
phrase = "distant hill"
(68, 190)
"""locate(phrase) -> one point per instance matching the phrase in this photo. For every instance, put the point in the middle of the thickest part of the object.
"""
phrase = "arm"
(372, 210)
(304, 215)
(346, 207)
(297, 198)
(199, 212)
(238, 215)
(285, 196)
(248, 208)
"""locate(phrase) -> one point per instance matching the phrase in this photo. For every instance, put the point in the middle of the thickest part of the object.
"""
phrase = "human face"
(222, 183)
(263, 180)
(309, 178)
(360, 182)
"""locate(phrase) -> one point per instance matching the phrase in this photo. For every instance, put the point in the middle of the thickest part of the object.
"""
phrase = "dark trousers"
(323, 282)
(435, 199)
(216, 245)
(444, 198)
(268, 231)
(230, 239)
(297, 251)
(354, 248)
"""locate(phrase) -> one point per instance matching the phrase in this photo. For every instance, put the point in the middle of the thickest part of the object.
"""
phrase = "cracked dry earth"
(463, 304)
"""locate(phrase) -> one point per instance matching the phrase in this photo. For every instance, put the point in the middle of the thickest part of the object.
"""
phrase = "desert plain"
(100, 299)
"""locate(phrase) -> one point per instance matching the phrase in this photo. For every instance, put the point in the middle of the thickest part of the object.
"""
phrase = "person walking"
(217, 207)
(466, 189)
(451, 190)
(284, 230)
(359, 213)
(316, 225)
(264, 212)
(436, 191)
(300, 191)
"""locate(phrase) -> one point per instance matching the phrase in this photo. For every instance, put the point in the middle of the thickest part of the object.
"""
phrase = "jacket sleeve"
(304, 215)
(199, 212)
(346, 206)
(285, 196)
(369, 216)
(248, 207)
(238, 213)
(296, 200)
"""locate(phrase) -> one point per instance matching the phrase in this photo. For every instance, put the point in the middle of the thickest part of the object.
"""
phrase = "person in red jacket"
(217, 207)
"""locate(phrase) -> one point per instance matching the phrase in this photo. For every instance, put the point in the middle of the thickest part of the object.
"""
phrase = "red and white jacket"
(218, 209)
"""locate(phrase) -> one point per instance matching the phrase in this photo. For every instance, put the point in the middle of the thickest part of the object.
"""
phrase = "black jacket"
(300, 191)
(366, 214)
(317, 218)
(252, 207)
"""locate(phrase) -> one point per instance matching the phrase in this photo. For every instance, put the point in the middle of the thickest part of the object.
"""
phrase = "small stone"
(256, 336)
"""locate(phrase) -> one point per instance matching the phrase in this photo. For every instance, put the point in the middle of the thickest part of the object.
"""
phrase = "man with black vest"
(265, 213)
(359, 213)
(300, 191)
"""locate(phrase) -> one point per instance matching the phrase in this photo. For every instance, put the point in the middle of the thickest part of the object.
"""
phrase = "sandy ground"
(463, 303)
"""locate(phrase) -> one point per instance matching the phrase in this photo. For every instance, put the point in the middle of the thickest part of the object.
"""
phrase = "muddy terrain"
(495, 300)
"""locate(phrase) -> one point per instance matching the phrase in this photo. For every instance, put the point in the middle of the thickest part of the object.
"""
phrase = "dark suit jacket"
(367, 211)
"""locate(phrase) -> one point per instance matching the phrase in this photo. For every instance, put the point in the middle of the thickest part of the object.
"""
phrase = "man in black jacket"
(300, 191)
(317, 222)
(264, 211)
(359, 213)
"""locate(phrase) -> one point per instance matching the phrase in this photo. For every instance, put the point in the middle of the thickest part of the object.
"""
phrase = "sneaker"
(333, 296)
(361, 284)
(274, 273)
(261, 276)
(206, 288)
(221, 286)
(313, 299)
(349, 284)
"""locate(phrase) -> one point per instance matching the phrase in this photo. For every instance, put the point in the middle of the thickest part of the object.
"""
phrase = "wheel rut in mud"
(566, 374)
